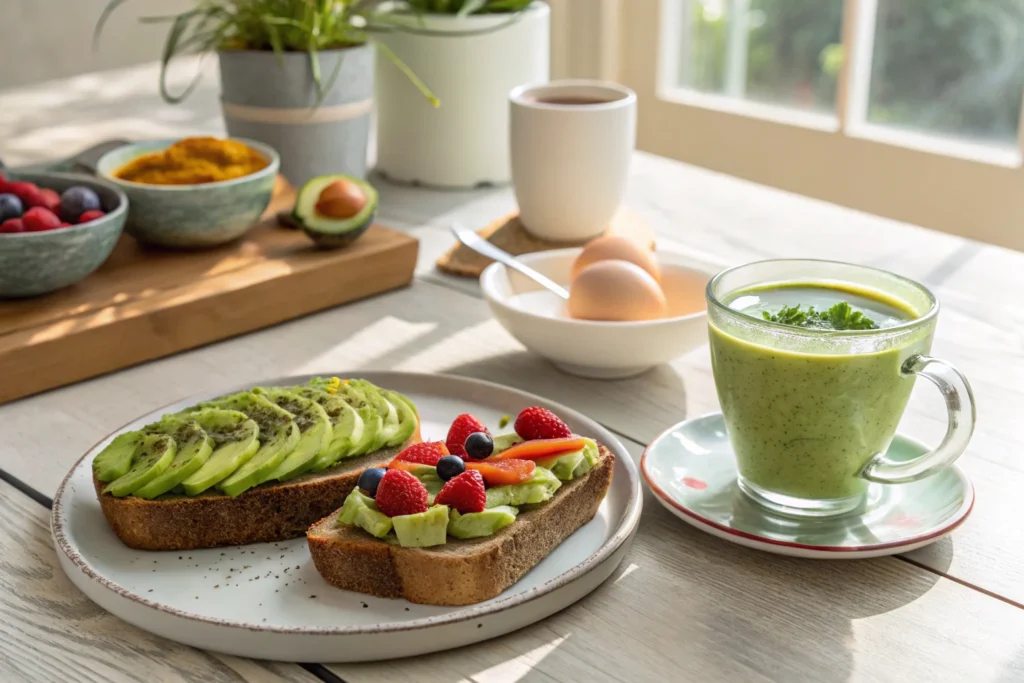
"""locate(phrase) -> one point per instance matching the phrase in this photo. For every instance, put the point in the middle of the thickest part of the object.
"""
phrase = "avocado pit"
(341, 199)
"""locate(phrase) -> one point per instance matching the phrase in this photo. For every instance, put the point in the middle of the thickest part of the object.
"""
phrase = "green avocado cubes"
(361, 510)
(537, 490)
(569, 466)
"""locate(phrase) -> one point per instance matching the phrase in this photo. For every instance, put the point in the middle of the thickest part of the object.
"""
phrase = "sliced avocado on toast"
(373, 423)
(387, 412)
(236, 440)
(116, 459)
(154, 457)
(334, 210)
(407, 418)
(278, 437)
(315, 432)
(194, 447)
(347, 427)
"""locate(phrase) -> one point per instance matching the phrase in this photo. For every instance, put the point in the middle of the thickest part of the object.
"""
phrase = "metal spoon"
(485, 248)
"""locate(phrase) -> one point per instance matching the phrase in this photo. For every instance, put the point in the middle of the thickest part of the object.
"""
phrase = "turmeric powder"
(194, 160)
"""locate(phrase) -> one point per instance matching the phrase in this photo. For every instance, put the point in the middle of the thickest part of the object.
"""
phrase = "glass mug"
(810, 413)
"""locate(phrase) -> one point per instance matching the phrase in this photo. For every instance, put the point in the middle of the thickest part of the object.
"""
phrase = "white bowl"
(600, 350)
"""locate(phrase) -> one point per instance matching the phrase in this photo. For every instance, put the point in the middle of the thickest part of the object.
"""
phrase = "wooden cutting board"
(144, 304)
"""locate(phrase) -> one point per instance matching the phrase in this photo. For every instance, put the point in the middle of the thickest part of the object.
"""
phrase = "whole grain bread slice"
(460, 572)
(263, 514)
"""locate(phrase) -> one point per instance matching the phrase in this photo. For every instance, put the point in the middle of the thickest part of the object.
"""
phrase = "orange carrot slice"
(541, 448)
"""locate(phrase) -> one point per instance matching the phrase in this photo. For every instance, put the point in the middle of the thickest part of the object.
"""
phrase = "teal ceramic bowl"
(191, 216)
(33, 263)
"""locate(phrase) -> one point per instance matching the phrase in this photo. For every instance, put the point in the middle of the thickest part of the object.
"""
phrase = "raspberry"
(12, 225)
(39, 218)
(541, 423)
(465, 493)
(90, 216)
(426, 453)
(50, 199)
(461, 428)
(400, 493)
(29, 193)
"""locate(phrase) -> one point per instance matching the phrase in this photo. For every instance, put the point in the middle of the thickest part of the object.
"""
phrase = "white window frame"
(957, 187)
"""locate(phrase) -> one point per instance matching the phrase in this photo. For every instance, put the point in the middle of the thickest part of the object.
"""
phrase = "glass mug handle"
(959, 403)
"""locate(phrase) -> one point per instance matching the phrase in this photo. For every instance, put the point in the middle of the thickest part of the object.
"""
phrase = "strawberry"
(541, 423)
(504, 472)
(49, 199)
(400, 493)
(462, 427)
(91, 216)
(465, 493)
(12, 225)
(425, 453)
(39, 218)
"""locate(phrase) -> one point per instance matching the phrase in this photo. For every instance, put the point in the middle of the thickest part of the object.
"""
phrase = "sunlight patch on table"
(361, 348)
(513, 670)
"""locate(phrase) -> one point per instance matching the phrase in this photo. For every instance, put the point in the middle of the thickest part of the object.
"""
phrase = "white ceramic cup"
(570, 161)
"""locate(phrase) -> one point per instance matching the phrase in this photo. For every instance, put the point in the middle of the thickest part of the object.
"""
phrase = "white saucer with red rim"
(692, 471)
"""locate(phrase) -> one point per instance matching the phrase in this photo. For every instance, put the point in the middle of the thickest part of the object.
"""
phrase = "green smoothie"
(803, 423)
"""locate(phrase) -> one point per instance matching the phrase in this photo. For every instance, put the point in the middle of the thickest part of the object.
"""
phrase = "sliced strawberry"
(424, 453)
(504, 472)
(540, 448)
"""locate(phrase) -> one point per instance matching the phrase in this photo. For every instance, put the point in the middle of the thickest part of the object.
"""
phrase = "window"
(905, 108)
(780, 52)
(952, 68)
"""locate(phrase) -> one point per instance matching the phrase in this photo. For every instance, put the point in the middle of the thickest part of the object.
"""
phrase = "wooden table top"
(683, 605)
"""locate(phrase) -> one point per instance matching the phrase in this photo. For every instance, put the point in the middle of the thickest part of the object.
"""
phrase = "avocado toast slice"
(459, 572)
(269, 511)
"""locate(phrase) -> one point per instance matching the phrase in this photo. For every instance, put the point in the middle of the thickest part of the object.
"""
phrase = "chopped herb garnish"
(840, 317)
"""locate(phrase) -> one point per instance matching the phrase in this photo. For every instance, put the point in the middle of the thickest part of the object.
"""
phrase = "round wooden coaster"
(509, 234)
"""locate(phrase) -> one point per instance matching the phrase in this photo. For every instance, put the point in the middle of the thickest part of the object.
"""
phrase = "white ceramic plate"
(691, 470)
(267, 600)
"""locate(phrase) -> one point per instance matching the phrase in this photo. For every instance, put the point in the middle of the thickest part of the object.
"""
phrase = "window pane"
(949, 67)
(785, 52)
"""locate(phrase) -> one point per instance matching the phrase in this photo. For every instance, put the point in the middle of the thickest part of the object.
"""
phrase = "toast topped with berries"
(256, 466)
(458, 522)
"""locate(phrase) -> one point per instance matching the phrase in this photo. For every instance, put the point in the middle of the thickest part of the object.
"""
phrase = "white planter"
(464, 142)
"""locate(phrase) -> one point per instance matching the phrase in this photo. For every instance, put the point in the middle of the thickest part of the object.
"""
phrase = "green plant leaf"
(177, 30)
(404, 68)
(102, 21)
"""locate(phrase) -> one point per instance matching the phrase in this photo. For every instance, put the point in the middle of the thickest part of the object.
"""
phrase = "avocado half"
(333, 232)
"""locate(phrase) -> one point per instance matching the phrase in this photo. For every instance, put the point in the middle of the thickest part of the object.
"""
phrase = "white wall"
(46, 39)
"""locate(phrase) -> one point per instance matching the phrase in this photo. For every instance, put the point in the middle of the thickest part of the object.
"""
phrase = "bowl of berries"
(55, 229)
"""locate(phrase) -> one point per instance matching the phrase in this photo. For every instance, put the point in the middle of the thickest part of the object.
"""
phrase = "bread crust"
(460, 572)
(263, 514)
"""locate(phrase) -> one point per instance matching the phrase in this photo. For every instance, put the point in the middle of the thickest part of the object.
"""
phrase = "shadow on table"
(784, 618)
(611, 402)
(476, 207)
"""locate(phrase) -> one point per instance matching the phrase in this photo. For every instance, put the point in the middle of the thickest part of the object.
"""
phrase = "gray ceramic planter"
(273, 101)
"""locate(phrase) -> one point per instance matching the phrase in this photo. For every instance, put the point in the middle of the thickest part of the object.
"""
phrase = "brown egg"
(616, 290)
(341, 199)
(615, 247)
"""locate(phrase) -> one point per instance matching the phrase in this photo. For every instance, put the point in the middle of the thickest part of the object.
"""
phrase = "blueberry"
(369, 480)
(479, 445)
(76, 200)
(10, 207)
(450, 466)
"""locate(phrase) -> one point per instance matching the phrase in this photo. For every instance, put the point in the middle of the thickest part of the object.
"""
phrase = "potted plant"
(472, 53)
(295, 74)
